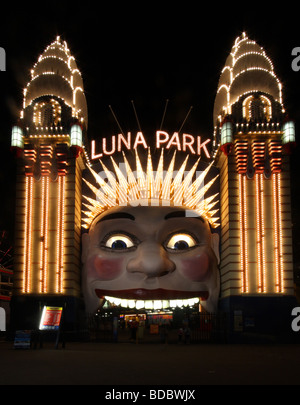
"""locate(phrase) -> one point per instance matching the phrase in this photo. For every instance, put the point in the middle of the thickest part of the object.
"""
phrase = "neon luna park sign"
(184, 142)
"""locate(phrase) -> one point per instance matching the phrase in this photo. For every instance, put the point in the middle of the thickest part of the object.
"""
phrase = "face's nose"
(152, 260)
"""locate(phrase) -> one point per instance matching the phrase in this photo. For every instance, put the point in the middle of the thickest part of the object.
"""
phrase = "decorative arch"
(47, 113)
(257, 107)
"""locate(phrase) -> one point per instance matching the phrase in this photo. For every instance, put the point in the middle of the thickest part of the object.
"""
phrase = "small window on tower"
(47, 113)
(257, 108)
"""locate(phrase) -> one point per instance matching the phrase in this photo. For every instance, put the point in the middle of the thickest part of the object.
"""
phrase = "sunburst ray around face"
(148, 187)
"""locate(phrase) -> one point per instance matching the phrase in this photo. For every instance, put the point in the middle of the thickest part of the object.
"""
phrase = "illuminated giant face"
(149, 253)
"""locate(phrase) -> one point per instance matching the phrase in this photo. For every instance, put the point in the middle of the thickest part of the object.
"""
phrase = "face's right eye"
(118, 242)
(181, 242)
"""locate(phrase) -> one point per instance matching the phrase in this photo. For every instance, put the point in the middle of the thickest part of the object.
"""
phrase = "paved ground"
(103, 364)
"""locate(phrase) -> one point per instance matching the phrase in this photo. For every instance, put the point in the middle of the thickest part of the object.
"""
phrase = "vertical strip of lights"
(25, 275)
(275, 150)
(60, 234)
(279, 287)
(45, 155)
(45, 278)
(61, 154)
(28, 233)
(262, 219)
(280, 231)
(42, 232)
(57, 284)
(241, 152)
(62, 231)
(44, 235)
(245, 235)
(258, 153)
(243, 231)
(242, 242)
(260, 232)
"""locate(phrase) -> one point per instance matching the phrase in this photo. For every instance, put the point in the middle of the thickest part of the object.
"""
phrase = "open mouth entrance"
(148, 321)
(158, 299)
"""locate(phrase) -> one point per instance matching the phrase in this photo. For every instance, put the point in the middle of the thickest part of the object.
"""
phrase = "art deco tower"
(253, 137)
(49, 144)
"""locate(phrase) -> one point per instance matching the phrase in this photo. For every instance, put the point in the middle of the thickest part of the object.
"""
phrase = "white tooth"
(179, 303)
(149, 304)
(185, 303)
(124, 303)
(131, 304)
(166, 304)
(173, 303)
(140, 304)
(157, 304)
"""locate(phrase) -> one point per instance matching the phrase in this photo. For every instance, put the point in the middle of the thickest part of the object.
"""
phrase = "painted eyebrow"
(181, 214)
(117, 215)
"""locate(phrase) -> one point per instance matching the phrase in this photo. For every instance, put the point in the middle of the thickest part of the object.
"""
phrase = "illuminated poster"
(51, 317)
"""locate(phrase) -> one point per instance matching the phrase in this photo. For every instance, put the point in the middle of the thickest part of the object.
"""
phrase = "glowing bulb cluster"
(237, 77)
(146, 187)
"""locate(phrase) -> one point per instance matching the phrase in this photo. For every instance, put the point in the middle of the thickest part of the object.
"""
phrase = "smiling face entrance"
(150, 257)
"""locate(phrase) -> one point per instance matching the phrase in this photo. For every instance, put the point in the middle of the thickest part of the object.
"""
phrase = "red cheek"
(104, 269)
(196, 268)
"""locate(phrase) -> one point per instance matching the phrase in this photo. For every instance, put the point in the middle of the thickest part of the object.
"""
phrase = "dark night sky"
(146, 53)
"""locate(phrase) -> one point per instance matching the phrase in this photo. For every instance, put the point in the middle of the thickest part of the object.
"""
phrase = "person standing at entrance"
(133, 327)
(180, 335)
(187, 335)
(140, 331)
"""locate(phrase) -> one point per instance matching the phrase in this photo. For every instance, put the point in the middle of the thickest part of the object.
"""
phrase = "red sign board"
(50, 319)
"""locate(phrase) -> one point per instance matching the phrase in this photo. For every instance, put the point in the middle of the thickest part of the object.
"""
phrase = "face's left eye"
(118, 242)
(181, 241)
